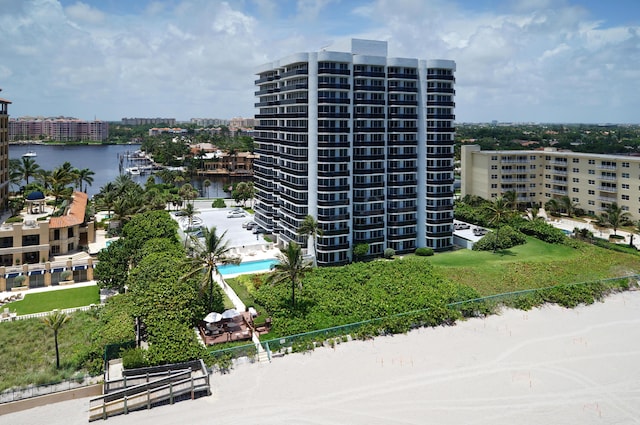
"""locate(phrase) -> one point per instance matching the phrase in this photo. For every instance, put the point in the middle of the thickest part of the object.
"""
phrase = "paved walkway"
(569, 224)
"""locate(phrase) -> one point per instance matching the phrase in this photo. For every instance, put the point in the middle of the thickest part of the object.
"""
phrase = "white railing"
(66, 310)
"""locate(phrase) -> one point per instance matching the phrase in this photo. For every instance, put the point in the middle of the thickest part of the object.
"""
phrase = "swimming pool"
(247, 267)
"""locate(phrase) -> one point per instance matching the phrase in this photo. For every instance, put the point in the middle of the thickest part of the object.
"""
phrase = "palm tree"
(615, 216)
(511, 198)
(498, 212)
(84, 176)
(55, 320)
(209, 252)
(188, 192)
(311, 228)
(291, 267)
(568, 206)
(552, 206)
(28, 168)
(206, 183)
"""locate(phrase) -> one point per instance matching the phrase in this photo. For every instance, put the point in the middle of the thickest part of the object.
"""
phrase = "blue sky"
(517, 60)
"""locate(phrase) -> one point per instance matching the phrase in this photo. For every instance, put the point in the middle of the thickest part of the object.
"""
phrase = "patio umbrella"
(230, 314)
(213, 317)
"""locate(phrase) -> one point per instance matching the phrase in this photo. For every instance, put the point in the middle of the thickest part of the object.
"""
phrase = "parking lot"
(237, 236)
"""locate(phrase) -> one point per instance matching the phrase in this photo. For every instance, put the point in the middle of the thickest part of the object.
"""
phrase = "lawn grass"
(58, 299)
(534, 265)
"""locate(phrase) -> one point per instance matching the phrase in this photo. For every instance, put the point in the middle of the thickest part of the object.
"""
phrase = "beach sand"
(546, 366)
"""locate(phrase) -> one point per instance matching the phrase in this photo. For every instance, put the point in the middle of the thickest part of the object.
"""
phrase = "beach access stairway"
(148, 387)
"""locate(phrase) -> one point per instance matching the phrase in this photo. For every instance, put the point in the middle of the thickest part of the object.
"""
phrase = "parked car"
(248, 224)
(236, 214)
(259, 229)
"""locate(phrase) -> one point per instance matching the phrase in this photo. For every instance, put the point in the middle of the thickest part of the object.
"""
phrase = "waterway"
(104, 161)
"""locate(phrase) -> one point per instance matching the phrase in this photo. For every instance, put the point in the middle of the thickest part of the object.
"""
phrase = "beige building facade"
(592, 181)
(42, 248)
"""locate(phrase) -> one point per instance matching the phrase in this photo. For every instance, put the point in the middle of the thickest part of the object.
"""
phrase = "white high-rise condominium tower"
(363, 143)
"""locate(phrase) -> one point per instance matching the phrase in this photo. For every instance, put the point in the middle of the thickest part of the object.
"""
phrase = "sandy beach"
(546, 366)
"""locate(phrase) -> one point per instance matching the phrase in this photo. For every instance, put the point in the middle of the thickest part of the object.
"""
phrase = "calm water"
(102, 160)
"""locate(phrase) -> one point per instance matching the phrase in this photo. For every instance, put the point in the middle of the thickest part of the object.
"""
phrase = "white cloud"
(535, 61)
(84, 13)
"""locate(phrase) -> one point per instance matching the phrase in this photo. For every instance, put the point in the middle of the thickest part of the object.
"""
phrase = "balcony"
(440, 90)
(402, 75)
(293, 87)
(337, 86)
(294, 72)
(368, 74)
(608, 189)
(334, 71)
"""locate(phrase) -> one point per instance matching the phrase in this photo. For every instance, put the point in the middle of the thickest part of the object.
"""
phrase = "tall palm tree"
(28, 168)
(291, 267)
(56, 320)
(511, 198)
(499, 212)
(311, 228)
(188, 192)
(206, 183)
(568, 206)
(615, 216)
(84, 176)
(209, 252)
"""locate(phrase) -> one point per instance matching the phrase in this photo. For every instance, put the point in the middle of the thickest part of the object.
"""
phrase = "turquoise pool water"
(247, 267)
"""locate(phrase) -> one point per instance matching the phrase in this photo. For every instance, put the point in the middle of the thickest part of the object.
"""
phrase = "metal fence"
(400, 322)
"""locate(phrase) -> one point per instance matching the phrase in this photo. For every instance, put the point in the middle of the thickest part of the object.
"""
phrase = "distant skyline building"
(209, 122)
(4, 153)
(363, 143)
(169, 122)
(58, 129)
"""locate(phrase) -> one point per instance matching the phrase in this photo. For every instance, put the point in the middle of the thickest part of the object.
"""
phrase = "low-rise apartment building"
(593, 181)
(36, 246)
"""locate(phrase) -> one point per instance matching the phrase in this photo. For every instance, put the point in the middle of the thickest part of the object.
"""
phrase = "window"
(576, 180)
(591, 202)
(625, 165)
(55, 249)
(494, 186)
(575, 190)
(625, 197)
(494, 167)
(592, 192)
(592, 182)
(494, 176)
(532, 166)
(494, 158)
(625, 175)
(575, 199)
(575, 160)
(625, 186)
(592, 171)
(575, 170)
(592, 162)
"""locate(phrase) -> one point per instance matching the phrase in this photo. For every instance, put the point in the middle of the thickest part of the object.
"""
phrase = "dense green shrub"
(540, 230)
(389, 253)
(424, 251)
(334, 296)
(133, 358)
(218, 203)
(504, 238)
(470, 214)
